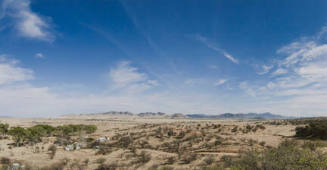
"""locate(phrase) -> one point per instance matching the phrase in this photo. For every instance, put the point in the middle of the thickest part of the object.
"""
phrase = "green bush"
(19, 134)
(35, 133)
(4, 129)
(314, 130)
(68, 130)
(288, 155)
(47, 129)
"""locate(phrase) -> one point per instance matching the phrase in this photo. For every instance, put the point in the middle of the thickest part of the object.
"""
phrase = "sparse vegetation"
(144, 157)
(4, 129)
(288, 155)
(35, 133)
(314, 130)
(179, 145)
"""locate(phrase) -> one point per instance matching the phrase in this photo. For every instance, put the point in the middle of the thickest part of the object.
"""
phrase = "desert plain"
(153, 142)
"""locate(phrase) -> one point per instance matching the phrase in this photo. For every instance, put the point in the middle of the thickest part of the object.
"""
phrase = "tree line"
(35, 133)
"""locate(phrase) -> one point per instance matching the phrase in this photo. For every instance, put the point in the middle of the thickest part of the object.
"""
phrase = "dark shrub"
(209, 160)
(315, 130)
(55, 166)
(53, 150)
(188, 158)
(4, 129)
(5, 161)
(112, 166)
(144, 157)
(288, 155)
(125, 141)
(170, 160)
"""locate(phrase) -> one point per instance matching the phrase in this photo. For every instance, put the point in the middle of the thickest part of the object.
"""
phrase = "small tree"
(47, 129)
(19, 134)
(90, 129)
(35, 133)
(4, 129)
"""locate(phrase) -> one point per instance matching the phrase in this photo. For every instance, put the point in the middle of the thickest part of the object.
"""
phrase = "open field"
(132, 142)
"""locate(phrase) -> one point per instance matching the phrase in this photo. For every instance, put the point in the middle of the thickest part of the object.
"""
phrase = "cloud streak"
(215, 48)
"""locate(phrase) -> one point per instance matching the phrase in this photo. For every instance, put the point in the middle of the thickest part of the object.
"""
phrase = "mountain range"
(265, 115)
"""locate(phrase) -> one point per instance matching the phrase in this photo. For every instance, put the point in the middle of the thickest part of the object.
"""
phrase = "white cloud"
(129, 79)
(220, 82)
(247, 88)
(215, 48)
(265, 69)
(279, 71)
(10, 72)
(24, 99)
(28, 23)
(39, 55)
(230, 57)
(124, 74)
(315, 71)
(301, 84)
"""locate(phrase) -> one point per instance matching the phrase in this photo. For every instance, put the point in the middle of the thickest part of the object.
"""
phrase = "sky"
(187, 56)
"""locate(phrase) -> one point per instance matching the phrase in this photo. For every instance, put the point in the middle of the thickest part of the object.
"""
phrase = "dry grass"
(135, 143)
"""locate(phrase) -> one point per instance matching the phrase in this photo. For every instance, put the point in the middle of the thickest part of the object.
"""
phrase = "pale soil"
(234, 143)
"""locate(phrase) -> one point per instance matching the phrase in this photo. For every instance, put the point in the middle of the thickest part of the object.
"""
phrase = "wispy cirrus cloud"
(265, 69)
(27, 23)
(214, 47)
(279, 71)
(298, 80)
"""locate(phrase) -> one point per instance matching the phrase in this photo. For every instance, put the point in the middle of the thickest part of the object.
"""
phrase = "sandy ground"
(204, 133)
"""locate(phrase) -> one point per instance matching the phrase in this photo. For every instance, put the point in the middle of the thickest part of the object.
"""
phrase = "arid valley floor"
(133, 142)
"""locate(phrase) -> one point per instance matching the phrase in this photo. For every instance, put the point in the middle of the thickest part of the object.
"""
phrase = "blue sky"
(59, 57)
